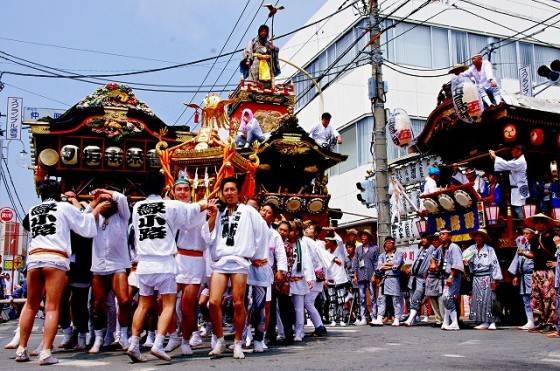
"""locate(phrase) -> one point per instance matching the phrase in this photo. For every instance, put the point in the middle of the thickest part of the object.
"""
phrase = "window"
(411, 41)
(459, 48)
(440, 48)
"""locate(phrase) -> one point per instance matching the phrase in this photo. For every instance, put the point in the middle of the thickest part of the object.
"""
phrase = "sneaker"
(396, 323)
(425, 319)
(452, 327)
(149, 343)
(341, 324)
(186, 348)
(238, 351)
(376, 322)
(172, 344)
(136, 356)
(298, 339)
(160, 353)
(331, 324)
(258, 346)
(22, 355)
(492, 326)
(96, 345)
(483, 326)
(195, 341)
(219, 348)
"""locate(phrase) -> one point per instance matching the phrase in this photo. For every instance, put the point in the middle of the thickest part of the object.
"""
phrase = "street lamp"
(23, 157)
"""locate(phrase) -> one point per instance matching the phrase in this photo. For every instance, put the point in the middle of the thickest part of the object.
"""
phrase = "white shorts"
(133, 280)
(47, 261)
(164, 283)
(190, 269)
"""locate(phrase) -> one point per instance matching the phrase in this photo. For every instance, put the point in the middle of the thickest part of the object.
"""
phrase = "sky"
(109, 37)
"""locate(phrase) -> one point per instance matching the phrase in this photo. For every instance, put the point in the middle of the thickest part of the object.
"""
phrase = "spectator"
(365, 264)
(522, 268)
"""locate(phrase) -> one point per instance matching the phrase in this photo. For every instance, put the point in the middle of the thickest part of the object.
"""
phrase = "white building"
(419, 50)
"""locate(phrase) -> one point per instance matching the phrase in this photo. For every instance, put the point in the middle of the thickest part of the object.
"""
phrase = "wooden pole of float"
(321, 100)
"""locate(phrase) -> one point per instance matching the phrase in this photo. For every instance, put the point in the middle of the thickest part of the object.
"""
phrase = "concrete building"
(420, 42)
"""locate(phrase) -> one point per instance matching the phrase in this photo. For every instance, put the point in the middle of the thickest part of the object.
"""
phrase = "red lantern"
(510, 133)
(558, 140)
(537, 137)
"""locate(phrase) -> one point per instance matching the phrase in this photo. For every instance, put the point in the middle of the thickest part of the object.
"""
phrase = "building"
(421, 40)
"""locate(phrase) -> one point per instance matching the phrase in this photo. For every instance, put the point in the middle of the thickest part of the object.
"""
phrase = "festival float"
(451, 136)
(111, 139)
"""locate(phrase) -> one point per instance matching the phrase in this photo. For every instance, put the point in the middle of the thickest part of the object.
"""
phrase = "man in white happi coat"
(110, 261)
(156, 222)
(517, 168)
(233, 234)
(483, 74)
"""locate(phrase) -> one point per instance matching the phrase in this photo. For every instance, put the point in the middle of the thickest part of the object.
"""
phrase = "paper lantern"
(153, 159)
(113, 157)
(69, 154)
(537, 137)
(466, 99)
(529, 210)
(92, 156)
(510, 133)
(134, 157)
(400, 128)
(492, 213)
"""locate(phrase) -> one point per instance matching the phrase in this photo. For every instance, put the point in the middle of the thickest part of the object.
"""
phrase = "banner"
(13, 124)
(526, 81)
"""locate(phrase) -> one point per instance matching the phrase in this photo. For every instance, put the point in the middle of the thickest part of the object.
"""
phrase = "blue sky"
(107, 37)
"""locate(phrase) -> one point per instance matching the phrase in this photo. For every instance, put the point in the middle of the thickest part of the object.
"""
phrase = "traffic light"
(552, 73)
(367, 194)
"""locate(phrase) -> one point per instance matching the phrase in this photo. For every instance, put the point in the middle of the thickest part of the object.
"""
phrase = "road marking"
(453, 356)
(471, 342)
(550, 360)
(395, 344)
(368, 350)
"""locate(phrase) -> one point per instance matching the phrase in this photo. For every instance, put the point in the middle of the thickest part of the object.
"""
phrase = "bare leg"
(238, 285)
(55, 280)
(35, 287)
(218, 284)
(188, 308)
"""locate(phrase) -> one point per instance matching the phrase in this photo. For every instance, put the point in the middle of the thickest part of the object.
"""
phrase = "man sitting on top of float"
(483, 74)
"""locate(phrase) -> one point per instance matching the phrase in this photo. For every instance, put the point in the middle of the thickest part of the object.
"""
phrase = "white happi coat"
(50, 224)
(110, 245)
(250, 231)
(517, 178)
(156, 222)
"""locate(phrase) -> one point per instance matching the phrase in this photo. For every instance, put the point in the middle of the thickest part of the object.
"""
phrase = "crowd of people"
(164, 267)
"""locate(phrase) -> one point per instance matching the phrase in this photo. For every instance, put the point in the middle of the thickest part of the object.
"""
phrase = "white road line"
(471, 342)
(550, 360)
(453, 356)
(82, 363)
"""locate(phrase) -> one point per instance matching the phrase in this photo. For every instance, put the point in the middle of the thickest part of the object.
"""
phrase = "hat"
(368, 232)
(444, 230)
(482, 232)
(469, 171)
(352, 231)
(389, 238)
(529, 230)
(458, 68)
(435, 235)
(530, 222)
(330, 238)
(433, 170)
(181, 181)
(476, 55)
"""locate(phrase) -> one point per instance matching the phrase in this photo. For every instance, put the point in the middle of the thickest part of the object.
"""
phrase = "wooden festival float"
(447, 139)
(111, 139)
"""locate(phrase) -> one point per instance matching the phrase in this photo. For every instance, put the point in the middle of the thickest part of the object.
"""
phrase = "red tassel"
(196, 115)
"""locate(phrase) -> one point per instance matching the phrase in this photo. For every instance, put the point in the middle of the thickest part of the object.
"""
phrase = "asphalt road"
(348, 348)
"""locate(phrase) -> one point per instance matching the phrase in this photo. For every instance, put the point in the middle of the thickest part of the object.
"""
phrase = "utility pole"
(377, 96)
